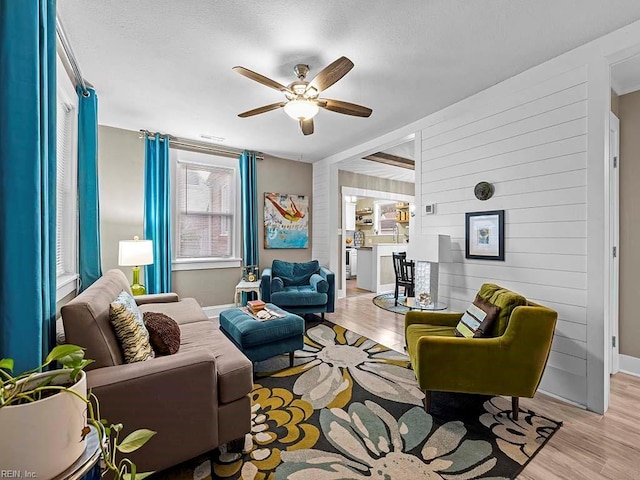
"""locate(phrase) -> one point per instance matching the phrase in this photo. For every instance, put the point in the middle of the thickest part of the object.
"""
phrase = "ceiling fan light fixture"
(301, 109)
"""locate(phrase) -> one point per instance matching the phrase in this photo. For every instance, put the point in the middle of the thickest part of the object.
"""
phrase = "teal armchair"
(299, 287)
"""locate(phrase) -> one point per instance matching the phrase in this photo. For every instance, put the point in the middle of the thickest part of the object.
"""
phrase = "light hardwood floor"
(588, 446)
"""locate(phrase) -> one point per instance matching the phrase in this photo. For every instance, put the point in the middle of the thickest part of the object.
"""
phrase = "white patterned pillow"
(127, 321)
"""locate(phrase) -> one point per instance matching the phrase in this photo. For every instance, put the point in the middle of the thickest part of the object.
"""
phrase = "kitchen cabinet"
(350, 216)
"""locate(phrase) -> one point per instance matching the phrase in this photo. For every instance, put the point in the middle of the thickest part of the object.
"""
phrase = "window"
(66, 183)
(385, 218)
(205, 201)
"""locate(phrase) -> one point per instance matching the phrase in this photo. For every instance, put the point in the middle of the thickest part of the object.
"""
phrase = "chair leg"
(427, 401)
(322, 315)
(515, 407)
(395, 295)
(291, 355)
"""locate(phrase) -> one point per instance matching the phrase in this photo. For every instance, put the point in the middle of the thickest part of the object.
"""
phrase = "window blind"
(64, 195)
(205, 219)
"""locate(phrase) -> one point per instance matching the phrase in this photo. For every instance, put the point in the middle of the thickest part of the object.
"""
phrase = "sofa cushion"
(293, 273)
(187, 310)
(294, 296)
(235, 371)
(417, 330)
(164, 333)
(478, 319)
(506, 300)
(129, 327)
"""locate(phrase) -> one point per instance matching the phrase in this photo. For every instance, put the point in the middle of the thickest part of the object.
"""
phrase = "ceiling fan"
(303, 102)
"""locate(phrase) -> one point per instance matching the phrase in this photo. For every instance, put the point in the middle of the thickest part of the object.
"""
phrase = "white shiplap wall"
(532, 145)
(320, 245)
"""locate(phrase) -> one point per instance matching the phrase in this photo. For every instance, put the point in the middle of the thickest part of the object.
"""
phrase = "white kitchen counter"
(375, 266)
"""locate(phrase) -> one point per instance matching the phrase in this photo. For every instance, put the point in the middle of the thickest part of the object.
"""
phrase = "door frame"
(614, 239)
(360, 192)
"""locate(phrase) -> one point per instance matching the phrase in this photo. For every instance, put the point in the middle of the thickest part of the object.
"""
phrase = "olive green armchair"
(509, 362)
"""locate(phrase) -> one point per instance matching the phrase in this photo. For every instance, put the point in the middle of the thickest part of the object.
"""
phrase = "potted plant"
(44, 418)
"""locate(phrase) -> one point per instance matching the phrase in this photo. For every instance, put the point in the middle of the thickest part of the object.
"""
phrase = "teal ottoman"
(260, 340)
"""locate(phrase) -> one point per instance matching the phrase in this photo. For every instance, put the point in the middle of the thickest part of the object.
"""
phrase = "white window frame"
(376, 216)
(66, 282)
(195, 158)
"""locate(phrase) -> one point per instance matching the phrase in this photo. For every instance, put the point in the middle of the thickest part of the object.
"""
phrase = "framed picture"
(484, 235)
(286, 220)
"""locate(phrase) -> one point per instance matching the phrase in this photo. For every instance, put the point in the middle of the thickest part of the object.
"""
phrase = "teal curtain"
(249, 191)
(27, 180)
(88, 202)
(157, 213)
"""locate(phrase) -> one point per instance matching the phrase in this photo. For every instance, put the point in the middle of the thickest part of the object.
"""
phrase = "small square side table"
(245, 286)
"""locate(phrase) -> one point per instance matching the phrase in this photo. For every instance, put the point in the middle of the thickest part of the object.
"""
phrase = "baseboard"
(562, 399)
(214, 311)
(630, 365)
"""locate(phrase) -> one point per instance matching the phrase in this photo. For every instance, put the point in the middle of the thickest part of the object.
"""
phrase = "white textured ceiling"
(165, 65)
(625, 76)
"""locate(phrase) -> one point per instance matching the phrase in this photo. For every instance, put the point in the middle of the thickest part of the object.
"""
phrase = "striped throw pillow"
(478, 318)
(127, 321)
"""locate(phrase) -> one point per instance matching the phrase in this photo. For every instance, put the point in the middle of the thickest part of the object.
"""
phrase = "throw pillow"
(477, 320)
(127, 321)
(164, 333)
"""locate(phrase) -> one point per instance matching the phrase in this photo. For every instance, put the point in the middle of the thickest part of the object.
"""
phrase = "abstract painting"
(286, 220)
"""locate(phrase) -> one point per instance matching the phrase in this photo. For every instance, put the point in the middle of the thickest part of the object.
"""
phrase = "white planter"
(42, 439)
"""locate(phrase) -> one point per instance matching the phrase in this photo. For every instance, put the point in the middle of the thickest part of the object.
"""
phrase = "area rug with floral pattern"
(351, 408)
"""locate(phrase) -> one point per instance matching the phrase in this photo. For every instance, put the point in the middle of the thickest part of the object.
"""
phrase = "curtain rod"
(68, 51)
(196, 146)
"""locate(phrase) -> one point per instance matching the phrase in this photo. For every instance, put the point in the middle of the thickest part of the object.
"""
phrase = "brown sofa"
(196, 399)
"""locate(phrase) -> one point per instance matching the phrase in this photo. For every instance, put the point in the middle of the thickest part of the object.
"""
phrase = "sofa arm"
(329, 276)
(277, 285)
(319, 284)
(156, 298)
(176, 396)
(265, 285)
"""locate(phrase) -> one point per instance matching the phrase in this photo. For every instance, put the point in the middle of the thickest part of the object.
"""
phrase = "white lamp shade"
(301, 109)
(134, 253)
(430, 248)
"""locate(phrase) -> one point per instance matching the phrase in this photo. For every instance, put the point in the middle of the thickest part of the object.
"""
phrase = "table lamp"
(134, 253)
(428, 251)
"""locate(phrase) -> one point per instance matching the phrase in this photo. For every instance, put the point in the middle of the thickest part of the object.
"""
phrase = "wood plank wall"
(320, 245)
(532, 145)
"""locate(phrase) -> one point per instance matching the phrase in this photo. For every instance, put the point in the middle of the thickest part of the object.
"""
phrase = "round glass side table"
(410, 302)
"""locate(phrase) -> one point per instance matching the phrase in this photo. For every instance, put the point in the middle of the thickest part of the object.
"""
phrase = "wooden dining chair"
(404, 270)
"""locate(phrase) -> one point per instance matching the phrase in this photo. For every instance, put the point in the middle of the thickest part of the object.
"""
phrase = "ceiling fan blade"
(345, 108)
(256, 77)
(331, 74)
(307, 126)
(259, 110)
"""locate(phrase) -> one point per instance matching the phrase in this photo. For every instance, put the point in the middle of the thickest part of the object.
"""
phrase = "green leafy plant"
(27, 388)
